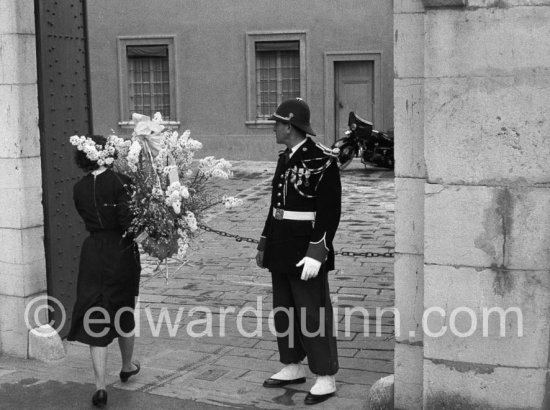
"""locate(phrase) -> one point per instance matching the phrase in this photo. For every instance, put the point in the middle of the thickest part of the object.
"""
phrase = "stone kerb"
(449, 385)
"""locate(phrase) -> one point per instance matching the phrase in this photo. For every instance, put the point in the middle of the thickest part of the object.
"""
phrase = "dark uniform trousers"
(308, 182)
(306, 305)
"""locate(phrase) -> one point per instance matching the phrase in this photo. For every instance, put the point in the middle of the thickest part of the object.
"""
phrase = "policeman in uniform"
(296, 247)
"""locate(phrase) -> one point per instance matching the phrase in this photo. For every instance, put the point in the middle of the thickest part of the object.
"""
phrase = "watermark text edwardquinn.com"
(249, 321)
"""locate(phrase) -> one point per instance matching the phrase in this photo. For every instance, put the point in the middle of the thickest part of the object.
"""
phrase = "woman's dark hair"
(82, 161)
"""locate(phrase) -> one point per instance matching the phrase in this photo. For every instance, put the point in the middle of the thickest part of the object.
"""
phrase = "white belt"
(293, 215)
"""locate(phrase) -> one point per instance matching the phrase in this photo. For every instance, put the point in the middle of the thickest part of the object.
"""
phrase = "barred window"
(277, 74)
(148, 80)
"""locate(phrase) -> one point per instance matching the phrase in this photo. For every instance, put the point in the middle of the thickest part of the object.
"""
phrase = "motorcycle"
(372, 146)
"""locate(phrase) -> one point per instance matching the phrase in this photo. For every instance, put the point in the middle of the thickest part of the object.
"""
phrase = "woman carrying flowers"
(108, 279)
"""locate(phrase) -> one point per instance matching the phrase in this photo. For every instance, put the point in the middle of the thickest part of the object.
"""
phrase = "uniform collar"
(299, 150)
(297, 146)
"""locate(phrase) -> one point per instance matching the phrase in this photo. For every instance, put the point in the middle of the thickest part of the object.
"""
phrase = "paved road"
(214, 356)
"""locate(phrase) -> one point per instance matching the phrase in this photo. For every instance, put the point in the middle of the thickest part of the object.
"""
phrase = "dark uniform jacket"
(309, 182)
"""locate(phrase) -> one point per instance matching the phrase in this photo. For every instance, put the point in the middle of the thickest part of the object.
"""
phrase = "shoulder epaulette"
(332, 152)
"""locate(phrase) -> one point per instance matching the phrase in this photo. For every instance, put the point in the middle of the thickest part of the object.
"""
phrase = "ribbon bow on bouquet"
(149, 133)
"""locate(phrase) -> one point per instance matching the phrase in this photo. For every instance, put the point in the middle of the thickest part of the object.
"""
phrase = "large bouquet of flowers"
(170, 190)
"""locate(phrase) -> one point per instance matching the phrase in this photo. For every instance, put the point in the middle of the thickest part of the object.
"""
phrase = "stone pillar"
(487, 202)
(410, 178)
(473, 79)
(22, 260)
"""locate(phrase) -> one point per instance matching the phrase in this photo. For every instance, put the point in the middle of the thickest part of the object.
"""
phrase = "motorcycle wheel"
(347, 153)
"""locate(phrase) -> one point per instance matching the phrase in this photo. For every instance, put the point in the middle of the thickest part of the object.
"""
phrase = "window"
(277, 75)
(276, 72)
(147, 78)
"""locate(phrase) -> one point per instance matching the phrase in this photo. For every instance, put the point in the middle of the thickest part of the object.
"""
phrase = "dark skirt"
(108, 282)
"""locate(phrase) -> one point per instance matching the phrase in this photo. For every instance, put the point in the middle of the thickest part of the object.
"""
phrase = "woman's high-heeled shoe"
(99, 399)
(124, 376)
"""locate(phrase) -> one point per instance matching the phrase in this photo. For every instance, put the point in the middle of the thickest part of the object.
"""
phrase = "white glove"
(311, 267)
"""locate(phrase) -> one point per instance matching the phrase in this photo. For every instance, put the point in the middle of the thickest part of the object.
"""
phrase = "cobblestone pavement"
(225, 366)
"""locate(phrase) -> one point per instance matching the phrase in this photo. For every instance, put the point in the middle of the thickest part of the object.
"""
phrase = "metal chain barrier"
(239, 238)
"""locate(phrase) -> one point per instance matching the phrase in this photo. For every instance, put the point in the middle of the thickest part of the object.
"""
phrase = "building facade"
(220, 67)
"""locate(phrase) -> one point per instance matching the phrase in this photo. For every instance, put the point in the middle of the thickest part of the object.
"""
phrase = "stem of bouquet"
(166, 276)
(158, 269)
(210, 205)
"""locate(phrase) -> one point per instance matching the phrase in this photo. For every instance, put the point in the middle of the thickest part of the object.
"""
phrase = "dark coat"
(109, 263)
(310, 181)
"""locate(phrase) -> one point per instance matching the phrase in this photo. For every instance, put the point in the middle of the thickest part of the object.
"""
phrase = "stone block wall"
(22, 263)
(472, 91)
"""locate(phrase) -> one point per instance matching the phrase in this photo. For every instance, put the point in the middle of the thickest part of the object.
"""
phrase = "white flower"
(231, 202)
(75, 140)
(182, 248)
(166, 170)
(174, 195)
(219, 173)
(176, 190)
(193, 145)
(174, 138)
(184, 137)
(184, 192)
(133, 155)
(95, 152)
(157, 117)
(211, 167)
(176, 205)
(191, 221)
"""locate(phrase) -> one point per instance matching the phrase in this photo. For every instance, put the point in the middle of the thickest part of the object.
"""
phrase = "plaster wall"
(210, 46)
(22, 260)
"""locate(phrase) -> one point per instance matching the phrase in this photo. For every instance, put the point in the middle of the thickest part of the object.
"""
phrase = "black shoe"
(124, 376)
(99, 399)
(280, 383)
(317, 398)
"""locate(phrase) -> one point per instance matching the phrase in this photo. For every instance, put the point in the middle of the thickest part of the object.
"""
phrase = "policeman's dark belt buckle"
(279, 214)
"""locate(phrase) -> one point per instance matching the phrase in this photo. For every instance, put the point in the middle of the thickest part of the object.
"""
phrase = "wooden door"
(354, 91)
(64, 109)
